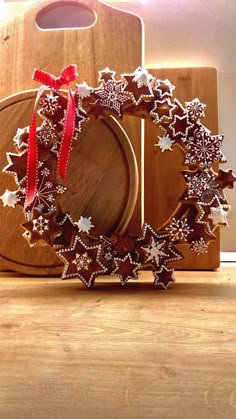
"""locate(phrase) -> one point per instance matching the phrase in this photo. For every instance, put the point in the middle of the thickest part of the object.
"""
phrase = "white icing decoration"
(154, 251)
(179, 229)
(142, 77)
(9, 198)
(82, 261)
(195, 109)
(83, 90)
(165, 143)
(40, 225)
(199, 246)
(84, 224)
(219, 216)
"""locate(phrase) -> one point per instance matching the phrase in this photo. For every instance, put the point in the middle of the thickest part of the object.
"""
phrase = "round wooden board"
(102, 184)
(115, 41)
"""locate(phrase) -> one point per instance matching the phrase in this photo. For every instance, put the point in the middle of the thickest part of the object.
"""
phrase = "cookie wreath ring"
(42, 151)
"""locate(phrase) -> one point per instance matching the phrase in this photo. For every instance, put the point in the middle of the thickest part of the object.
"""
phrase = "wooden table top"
(118, 352)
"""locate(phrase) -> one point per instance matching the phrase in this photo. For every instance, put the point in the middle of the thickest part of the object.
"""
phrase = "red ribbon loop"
(68, 74)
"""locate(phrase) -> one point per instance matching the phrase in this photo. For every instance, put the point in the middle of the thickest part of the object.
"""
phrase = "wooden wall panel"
(163, 182)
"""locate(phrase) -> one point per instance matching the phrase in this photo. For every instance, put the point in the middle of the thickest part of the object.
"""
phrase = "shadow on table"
(110, 288)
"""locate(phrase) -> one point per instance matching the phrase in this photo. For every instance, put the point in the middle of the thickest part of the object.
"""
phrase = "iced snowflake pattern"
(82, 261)
(199, 246)
(179, 229)
(204, 149)
(47, 132)
(45, 197)
(40, 225)
(60, 189)
(44, 191)
(45, 171)
(195, 109)
(50, 104)
(146, 238)
(154, 251)
(111, 96)
(202, 186)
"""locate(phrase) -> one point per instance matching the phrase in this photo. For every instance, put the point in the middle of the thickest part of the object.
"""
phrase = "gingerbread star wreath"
(41, 151)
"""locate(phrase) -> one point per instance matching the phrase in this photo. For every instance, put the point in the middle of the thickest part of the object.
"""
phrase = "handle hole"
(65, 15)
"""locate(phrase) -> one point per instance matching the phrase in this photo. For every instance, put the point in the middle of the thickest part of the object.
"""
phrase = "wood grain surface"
(115, 41)
(118, 352)
(163, 182)
(102, 184)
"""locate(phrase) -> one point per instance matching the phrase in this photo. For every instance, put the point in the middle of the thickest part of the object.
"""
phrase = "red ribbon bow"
(68, 74)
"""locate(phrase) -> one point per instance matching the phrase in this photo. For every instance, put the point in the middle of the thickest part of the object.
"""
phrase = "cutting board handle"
(65, 15)
(30, 16)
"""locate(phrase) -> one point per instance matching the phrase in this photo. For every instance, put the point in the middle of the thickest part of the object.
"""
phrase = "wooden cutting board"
(115, 40)
(101, 162)
(163, 182)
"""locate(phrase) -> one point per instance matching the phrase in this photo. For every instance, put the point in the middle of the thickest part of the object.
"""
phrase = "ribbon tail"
(67, 136)
(32, 163)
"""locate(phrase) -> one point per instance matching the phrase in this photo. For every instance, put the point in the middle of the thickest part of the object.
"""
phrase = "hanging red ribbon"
(68, 131)
(68, 74)
(32, 163)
